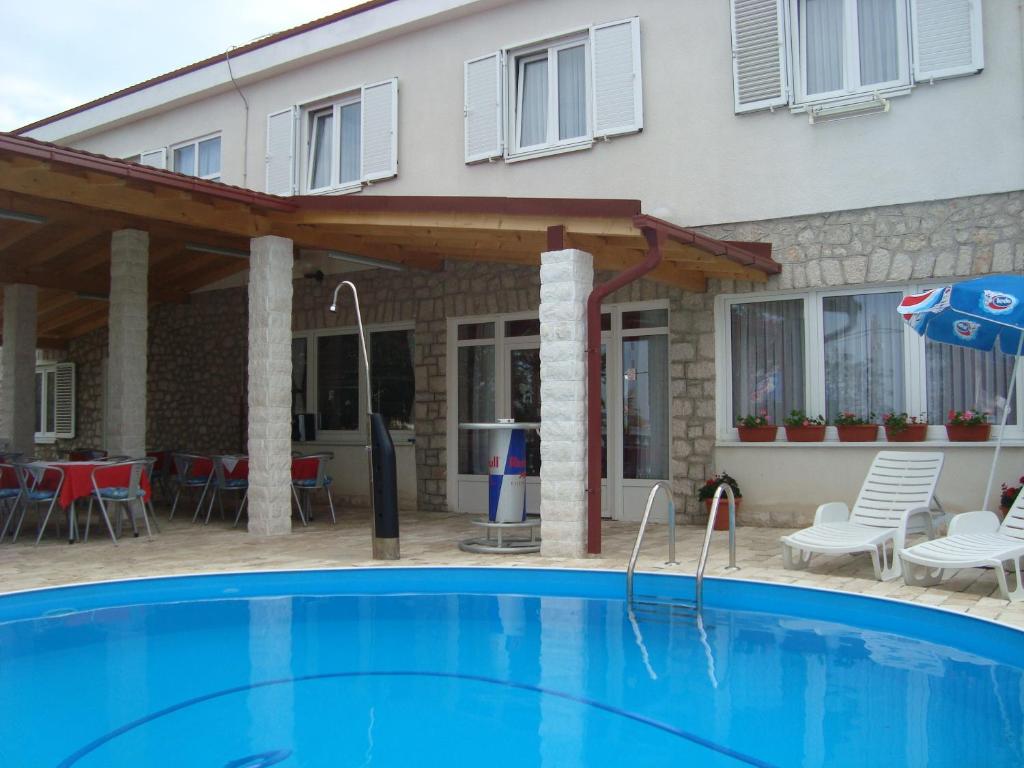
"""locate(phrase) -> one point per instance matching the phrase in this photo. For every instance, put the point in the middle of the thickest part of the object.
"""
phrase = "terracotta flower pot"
(814, 433)
(764, 434)
(857, 433)
(962, 433)
(722, 518)
(913, 433)
(1003, 511)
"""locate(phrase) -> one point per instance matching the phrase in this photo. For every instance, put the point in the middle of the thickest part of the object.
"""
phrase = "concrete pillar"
(18, 368)
(128, 328)
(270, 385)
(566, 279)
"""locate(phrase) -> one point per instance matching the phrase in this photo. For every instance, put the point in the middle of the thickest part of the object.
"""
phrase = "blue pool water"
(419, 667)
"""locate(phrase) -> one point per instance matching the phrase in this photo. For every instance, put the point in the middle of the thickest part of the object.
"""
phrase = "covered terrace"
(88, 241)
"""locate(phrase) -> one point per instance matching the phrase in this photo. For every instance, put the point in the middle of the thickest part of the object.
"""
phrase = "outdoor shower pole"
(1002, 425)
(383, 548)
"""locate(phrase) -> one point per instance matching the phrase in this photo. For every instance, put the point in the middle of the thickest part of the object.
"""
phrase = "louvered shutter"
(280, 158)
(380, 130)
(482, 109)
(759, 54)
(618, 91)
(156, 158)
(64, 401)
(946, 38)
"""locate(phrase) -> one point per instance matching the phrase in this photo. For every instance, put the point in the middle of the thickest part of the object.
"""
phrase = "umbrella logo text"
(966, 329)
(996, 303)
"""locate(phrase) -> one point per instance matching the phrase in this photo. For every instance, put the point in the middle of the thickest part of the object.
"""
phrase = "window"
(551, 96)
(825, 352)
(843, 56)
(198, 158)
(335, 145)
(328, 376)
(555, 95)
(55, 402)
(850, 46)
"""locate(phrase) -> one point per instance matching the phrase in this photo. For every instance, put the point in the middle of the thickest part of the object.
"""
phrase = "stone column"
(270, 385)
(128, 327)
(566, 279)
(18, 368)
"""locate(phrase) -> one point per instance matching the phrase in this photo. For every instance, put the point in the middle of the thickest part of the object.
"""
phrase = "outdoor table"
(78, 484)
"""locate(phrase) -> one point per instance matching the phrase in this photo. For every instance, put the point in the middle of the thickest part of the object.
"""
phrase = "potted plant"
(853, 429)
(900, 428)
(1008, 496)
(707, 495)
(968, 426)
(756, 429)
(801, 428)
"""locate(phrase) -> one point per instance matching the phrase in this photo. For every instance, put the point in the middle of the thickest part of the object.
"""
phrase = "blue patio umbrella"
(978, 314)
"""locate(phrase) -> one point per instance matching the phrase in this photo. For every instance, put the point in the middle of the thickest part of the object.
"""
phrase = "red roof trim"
(77, 158)
(512, 206)
(746, 254)
(219, 58)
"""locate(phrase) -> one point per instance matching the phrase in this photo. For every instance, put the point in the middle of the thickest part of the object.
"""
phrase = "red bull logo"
(966, 330)
(997, 303)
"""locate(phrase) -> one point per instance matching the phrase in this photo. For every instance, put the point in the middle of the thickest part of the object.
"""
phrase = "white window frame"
(548, 51)
(309, 114)
(47, 437)
(915, 381)
(195, 156)
(347, 436)
(852, 90)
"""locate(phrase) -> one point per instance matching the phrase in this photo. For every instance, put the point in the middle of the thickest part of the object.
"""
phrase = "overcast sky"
(56, 54)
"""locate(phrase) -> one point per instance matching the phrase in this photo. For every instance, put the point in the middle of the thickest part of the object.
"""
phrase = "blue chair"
(127, 495)
(221, 482)
(10, 496)
(39, 483)
(187, 480)
(308, 485)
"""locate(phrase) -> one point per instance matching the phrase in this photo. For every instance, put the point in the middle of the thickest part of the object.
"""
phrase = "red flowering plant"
(801, 419)
(968, 418)
(898, 422)
(760, 420)
(1009, 494)
(707, 491)
(851, 419)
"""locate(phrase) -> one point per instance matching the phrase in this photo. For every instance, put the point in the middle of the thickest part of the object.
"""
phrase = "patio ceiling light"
(366, 261)
(217, 250)
(28, 218)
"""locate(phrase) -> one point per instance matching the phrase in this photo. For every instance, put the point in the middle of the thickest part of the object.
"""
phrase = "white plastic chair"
(899, 489)
(975, 540)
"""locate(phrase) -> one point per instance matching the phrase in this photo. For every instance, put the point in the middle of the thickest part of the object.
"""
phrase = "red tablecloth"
(304, 468)
(7, 478)
(163, 459)
(78, 479)
(240, 471)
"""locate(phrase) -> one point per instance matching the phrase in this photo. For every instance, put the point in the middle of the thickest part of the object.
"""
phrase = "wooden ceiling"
(58, 208)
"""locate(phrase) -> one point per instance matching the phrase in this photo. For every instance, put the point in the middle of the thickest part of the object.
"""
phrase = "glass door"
(524, 406)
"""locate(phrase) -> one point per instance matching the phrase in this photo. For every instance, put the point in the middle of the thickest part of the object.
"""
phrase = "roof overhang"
(58, 207)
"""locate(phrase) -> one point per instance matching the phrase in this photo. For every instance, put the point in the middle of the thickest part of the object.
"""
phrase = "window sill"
(1010, 442)
(865, 97)
(558, 149)
(348, 189)
(44, 439)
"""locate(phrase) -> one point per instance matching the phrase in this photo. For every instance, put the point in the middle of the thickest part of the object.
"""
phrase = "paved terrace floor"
(431, 539)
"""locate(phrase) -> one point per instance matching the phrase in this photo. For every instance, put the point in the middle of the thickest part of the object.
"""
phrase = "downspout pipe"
(654, 240)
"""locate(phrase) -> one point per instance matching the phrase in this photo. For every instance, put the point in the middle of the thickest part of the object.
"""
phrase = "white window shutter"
(64, 401)
(482, 109)
(616, 78)
(157, 158)
(280, 158)
(946, 38)
(380, 130)
(759, 73)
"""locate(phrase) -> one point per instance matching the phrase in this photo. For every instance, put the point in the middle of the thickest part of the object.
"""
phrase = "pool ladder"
(679, 606)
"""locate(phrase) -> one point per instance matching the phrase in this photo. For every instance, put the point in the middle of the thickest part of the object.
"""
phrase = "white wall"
(694, 158)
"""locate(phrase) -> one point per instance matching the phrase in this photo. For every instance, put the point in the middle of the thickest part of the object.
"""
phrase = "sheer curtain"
(476, 404)
(350, 141)
(961, 379)
(209, 157)
(767, 358)
(323, 127)
(645, 404)
(533, 103)
(823, 32)
(572, 97)
(864, 370)
(879, 49)
(185, 159)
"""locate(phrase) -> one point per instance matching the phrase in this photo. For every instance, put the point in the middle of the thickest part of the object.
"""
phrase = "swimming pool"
(495, 667)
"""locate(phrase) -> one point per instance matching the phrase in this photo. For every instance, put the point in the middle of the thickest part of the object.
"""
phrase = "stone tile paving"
(430, 538)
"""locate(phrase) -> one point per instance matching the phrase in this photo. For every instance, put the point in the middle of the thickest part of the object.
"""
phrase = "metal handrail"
(702, 561)
(643, 527)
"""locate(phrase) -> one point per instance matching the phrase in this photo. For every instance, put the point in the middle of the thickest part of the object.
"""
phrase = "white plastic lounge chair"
(975, 540)
(900, 486)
